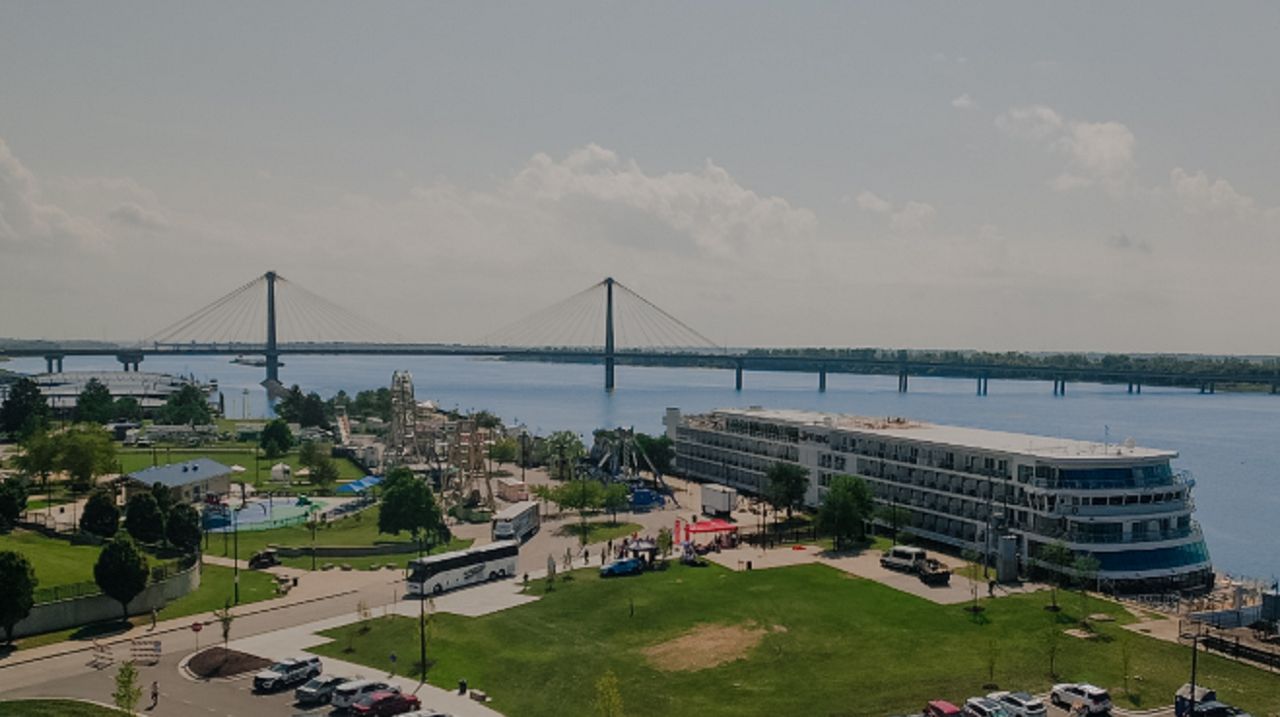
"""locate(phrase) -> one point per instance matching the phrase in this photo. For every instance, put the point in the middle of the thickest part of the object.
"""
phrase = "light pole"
(1195, 644)
(235, 533)
(422, 636)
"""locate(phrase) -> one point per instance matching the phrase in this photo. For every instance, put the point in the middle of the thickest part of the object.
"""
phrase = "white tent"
(281, 473)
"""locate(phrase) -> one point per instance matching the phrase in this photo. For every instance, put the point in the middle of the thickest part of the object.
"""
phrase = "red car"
(383, 704)
(941, 708)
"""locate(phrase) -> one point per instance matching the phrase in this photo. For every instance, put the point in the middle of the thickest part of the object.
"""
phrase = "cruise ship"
(964, 487)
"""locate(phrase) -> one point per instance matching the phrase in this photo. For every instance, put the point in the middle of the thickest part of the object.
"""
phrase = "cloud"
(1097, 152)
(964, 102)
(131, 215)
(909, 218)
(27, 217)
(1196, 194)
(1124, 242)
(873, 203)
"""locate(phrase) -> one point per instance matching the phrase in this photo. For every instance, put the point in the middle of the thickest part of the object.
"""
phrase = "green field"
(836, 645)
(55, 708)
(354, 530)
(57, 562)
(136, 459)
(598, 531)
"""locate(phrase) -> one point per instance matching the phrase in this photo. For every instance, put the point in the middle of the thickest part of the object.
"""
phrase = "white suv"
(1019, 704)
(351, 692)
(291, 671)
(983, 707)
(1095, 699)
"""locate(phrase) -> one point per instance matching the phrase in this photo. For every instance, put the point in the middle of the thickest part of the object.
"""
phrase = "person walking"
(155, 695)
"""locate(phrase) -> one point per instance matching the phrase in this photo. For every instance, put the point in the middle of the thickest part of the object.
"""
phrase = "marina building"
(966, 487)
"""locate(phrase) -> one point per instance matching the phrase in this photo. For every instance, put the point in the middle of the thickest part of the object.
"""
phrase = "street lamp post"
(1194, 637)
(235, 532)
(422, 636)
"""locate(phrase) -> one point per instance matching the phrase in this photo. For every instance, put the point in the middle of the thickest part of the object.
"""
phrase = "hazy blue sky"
(998, 176)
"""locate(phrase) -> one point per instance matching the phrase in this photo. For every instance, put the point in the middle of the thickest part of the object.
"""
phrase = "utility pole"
(235, 532)
(422, 635)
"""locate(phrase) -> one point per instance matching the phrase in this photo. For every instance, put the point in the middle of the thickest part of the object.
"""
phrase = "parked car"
(1019, 704)
(1068, 695)
(385, 704)
(626, 566)
(941, 708)
(319, 690)
(427, 712)
(983, 707)
(287, 672)
(264, 559)
(902, 558)
(346, 695)
(1214, 708)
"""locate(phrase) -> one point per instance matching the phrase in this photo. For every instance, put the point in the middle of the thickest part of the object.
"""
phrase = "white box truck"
(718, 500)
(517, 522)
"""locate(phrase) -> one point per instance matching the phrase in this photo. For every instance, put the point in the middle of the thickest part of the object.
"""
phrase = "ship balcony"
(1151, 536)
(1187, 505)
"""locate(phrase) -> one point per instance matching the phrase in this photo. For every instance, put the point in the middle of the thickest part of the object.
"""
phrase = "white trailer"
(718, 500)
(517, 522)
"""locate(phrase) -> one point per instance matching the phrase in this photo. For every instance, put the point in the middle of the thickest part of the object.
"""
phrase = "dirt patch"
(707, 646)
(1081, 634)
(217, 662)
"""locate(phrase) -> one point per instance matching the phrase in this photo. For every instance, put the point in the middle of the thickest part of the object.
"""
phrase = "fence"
(57, 593)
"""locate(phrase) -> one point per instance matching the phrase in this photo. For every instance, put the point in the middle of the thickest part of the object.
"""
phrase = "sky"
(997, 176)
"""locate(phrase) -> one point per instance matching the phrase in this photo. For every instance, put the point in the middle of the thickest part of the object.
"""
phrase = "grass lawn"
(400, 560)
(356, 529)
(835, 645)
(57, 562)
(54, 708)
(216, 587)
(598, 531)
(135, 459)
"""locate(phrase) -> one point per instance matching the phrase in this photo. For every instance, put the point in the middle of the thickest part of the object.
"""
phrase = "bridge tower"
(272, 353)
(608, 333)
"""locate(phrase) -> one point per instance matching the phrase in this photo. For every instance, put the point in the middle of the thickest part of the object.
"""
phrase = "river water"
(1229, 442)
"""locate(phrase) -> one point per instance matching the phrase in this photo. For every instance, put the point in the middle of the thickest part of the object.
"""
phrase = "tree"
(563, 450)
(665, 541)
(121, 571)
(101, 516)
(94, 404)
(225, 618)
(895, 516)
(324, 472)
(85, 452)
(1057, 556)
(40, 455)
(13, 500)
(787, 484)
(845, 510)
(504, 450)
(615, 498)
(276, 438)
(312, 412)
(188, 406)
(25, 411)
(127, 408)
(165, 498)
(290, 406)
(582, 495)
(608, 701)
(408, 505)
(1086, 569)
(182, 527)
(128, 688)
(309, 452)
(660, 450)
(17, 590)
(143, 519)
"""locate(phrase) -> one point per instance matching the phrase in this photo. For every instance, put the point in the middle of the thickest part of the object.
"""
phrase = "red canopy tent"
(715, 525)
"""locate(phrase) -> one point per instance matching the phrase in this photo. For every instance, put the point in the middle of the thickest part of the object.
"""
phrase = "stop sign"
(197, 626)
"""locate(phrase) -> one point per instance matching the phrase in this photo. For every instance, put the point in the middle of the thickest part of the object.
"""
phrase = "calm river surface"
(1228, 441)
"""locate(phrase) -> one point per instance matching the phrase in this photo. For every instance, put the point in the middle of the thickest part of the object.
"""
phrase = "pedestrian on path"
(155, 695)
(153, 618)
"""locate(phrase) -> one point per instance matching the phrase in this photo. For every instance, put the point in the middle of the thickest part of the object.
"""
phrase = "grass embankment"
(55, 708)
(358, 529)
(57, 562)
(598, 531)
(217, 585)
(136, 459)
(828, 644)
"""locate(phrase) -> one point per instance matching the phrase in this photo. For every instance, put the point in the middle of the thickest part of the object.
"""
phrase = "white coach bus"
(437, 573)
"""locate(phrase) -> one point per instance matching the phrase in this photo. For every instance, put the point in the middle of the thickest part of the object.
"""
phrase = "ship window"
(1146, 498)
(1116, 500)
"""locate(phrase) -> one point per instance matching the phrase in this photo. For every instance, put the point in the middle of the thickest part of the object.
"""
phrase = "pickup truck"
(933, 572)
(291, 671)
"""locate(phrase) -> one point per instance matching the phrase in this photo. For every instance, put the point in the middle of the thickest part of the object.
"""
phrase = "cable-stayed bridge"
(607, 323)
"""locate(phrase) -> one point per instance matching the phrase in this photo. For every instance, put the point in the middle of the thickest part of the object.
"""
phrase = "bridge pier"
(272, 354)
(902, 380)
(822, 380)
(982, 385)
(53, 361)
(1059, 386)
(1209, 387)
(737, 376)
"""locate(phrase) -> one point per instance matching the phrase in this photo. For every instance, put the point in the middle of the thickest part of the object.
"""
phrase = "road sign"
(197, 626)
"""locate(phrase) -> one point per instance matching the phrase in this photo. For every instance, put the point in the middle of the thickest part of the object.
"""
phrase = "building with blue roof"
(190, 481)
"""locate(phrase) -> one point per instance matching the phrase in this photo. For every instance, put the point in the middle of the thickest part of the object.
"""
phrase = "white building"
(964, 487)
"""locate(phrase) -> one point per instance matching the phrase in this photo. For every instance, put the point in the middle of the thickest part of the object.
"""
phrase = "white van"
(350, 693)
(903, 558)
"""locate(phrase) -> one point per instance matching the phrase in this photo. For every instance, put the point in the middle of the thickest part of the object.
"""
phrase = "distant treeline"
(1149, 369)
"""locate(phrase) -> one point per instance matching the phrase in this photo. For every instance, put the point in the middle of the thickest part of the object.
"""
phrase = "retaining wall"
(345, 551)
(75, 612)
